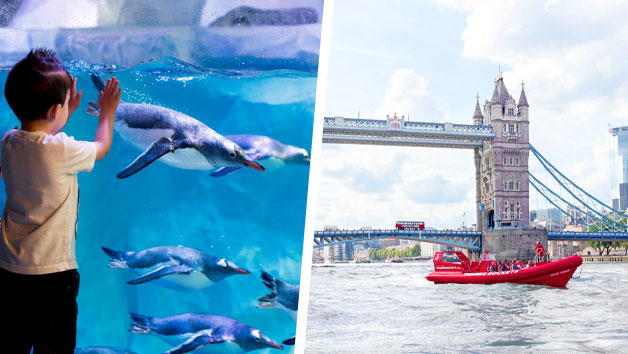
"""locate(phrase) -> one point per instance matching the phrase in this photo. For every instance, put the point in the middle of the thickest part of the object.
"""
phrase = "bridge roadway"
(462, 239)
(339, 130)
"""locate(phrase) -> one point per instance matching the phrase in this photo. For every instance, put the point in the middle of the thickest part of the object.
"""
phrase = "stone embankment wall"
(605, 258)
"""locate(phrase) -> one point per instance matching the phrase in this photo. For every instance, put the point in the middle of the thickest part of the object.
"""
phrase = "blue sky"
(429, 59)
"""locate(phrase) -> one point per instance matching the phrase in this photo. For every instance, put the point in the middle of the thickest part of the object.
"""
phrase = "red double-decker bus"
(410, 225)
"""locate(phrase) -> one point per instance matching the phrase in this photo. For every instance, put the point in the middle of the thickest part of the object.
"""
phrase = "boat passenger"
(503, 266)
(529, 264)
(513, 265)
(540, 252)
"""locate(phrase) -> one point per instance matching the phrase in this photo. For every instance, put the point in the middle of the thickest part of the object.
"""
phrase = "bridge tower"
(502, 175)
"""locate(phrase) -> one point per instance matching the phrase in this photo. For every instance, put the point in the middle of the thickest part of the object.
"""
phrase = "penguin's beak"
(254, 165)
(247, 160)
(275, 345)
(240, 271)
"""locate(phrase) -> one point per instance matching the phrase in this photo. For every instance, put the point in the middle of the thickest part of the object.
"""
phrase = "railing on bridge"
(376, 124)
(339, 130)
(400, 141)
(586, 236)
(463, 239)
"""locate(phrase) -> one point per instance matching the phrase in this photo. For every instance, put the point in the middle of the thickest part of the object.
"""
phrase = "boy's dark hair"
(36, 83)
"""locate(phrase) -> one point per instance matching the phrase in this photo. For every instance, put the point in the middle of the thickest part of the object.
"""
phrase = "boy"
(38, 277)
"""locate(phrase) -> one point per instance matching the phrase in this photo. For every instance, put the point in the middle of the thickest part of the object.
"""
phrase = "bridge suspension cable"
(591, 209)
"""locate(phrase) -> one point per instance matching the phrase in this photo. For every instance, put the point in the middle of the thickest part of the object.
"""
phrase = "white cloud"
(558, 46)
(572, 57)
(376, 185)
(407, 94)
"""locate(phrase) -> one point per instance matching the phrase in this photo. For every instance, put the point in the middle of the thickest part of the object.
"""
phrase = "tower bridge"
(471, 240)
(499, 137)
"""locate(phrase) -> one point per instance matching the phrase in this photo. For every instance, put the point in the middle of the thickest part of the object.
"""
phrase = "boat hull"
(555, 273)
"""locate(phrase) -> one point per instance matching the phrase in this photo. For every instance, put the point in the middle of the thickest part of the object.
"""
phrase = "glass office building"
(619, 167)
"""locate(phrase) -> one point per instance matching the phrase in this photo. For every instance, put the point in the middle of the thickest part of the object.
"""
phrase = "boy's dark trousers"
(38, 311)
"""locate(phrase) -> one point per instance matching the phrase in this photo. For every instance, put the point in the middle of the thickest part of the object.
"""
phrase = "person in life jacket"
(503, 266)
(513, 265)
(540, 251)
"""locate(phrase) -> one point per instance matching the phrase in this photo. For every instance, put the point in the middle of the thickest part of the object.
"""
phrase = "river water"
(392, 308)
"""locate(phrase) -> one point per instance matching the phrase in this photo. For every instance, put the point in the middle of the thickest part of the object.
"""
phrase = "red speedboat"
(455, 267)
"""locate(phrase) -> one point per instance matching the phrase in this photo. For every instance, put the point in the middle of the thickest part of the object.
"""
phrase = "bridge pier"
(479, 225)
(507, 244)
(474, 255)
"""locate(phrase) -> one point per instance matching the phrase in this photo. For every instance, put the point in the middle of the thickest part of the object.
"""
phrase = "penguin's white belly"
(193, 281)
(292, 313)
(185, 282)
(188, 158)
(224, 347)
(272, 163)
(278, 305)
(141, 138)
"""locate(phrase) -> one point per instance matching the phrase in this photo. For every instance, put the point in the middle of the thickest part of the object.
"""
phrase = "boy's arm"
(108, 101)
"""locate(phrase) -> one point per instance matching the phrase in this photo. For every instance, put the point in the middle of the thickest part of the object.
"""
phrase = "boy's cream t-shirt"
(40, 215)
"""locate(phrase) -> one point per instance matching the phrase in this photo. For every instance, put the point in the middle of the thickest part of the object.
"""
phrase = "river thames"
(392, 308)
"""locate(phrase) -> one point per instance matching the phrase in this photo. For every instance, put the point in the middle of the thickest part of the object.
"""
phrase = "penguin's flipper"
(270, 281)
(224, 171)
(161, 272)
(157, 149)
(99, 84)
(289, 341)
(199, 340)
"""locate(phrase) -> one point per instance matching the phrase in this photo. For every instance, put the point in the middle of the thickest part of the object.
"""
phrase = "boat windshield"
(488, 257)
(450, 258)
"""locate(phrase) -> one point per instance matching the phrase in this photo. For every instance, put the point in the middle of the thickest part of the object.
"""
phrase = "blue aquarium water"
(255, 219)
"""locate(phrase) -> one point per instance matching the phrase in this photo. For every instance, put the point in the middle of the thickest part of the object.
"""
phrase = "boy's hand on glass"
(109, 98)
(75, 98)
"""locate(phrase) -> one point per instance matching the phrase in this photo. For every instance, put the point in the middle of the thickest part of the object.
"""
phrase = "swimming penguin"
(259, 147)
(191, 331)
(101, 350)
(283, 295)
(174, 267)
(159, 131)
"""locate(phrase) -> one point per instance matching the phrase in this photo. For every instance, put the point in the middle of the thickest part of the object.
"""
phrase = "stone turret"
(478, 118)
(523, 104)
(502, 177)
(503, 166)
